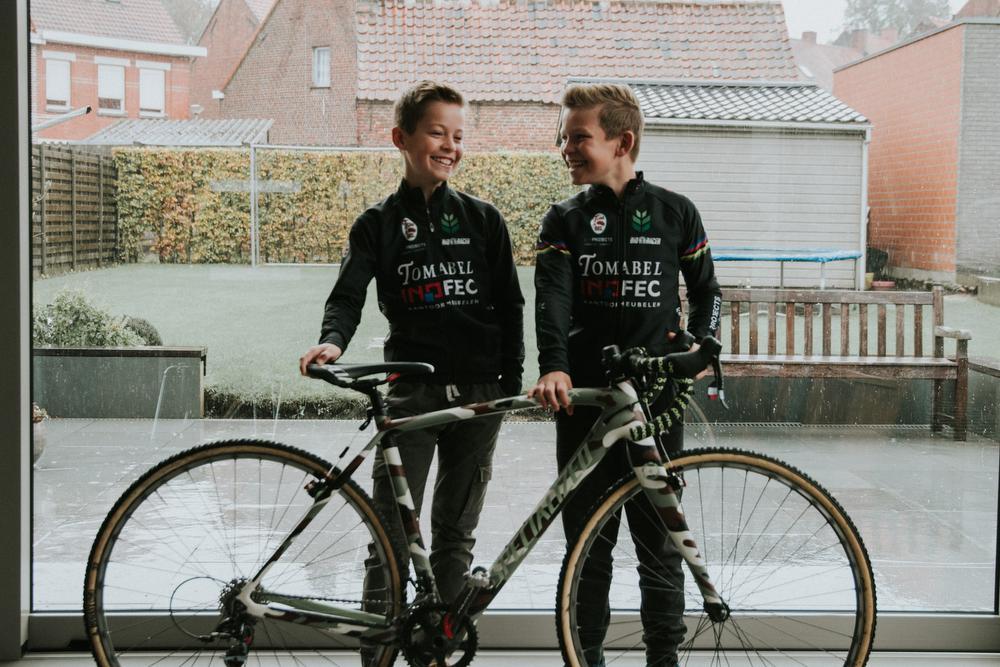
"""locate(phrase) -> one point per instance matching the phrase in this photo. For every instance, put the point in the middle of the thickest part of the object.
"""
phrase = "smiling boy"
(446, 281)
(606, 273)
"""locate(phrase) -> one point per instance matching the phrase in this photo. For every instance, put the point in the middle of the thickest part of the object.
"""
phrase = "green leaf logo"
(641, 221)
(449, 223)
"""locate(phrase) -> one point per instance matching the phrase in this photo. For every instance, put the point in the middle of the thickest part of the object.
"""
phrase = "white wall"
(766, 188)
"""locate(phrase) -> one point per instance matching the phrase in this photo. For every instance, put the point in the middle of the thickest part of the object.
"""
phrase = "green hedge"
(176, 203)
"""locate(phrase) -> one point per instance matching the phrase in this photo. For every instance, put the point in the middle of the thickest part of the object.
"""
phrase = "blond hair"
(409, 108)
(620, 112)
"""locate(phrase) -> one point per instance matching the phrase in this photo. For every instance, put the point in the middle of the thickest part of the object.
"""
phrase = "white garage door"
(774, 189)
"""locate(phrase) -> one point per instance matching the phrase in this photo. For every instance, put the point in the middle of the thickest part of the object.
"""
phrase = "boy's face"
(434, 148)
(592, 158)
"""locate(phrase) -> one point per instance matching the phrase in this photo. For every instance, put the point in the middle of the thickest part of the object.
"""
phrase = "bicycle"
(246, 549)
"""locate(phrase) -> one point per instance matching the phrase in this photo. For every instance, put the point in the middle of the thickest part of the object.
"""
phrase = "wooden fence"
(74, 212)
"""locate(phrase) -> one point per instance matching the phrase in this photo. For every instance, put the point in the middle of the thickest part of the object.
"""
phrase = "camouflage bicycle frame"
(622, 418)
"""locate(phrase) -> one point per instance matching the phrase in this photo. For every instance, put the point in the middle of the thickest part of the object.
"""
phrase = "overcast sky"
(826, 17)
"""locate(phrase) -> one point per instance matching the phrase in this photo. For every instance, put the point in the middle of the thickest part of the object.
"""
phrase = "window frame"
(319, 72)
(145, 112)
(107, 67)
(61, 60)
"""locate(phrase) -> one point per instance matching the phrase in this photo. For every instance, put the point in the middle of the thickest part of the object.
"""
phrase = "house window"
(111, 89)
(151, 92)
(321, 67)
(57, 84)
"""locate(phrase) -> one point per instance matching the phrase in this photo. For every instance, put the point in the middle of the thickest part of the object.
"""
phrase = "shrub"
(72, 321)
(145, 329)
(186, 200)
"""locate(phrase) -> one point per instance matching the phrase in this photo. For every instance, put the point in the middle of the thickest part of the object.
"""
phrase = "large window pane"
(175, 288)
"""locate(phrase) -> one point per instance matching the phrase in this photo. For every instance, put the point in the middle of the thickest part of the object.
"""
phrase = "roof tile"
(195, 132)
(774, 102)
(140, 20)
(546, 43)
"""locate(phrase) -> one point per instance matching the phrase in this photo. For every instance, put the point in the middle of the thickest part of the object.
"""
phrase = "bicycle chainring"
(430, 636)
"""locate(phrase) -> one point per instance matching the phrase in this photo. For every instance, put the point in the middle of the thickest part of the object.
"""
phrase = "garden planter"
(119, 382)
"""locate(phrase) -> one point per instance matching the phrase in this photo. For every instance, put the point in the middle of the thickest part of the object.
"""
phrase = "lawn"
(257, 322)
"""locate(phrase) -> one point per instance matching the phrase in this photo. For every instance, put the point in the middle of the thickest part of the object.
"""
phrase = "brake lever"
(715, 389)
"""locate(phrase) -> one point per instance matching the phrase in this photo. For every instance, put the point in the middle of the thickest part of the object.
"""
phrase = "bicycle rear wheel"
(781, 552)
(206, 519)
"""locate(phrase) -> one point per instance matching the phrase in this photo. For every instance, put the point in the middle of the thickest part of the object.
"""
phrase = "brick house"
(226, 37)
(972, 8)
(123, 58)
(935, 149)
(327, 71)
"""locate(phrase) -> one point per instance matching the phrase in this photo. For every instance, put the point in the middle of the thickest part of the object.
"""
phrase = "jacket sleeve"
(343, 307)
(553, 295)
(703, 292)
(508, 303)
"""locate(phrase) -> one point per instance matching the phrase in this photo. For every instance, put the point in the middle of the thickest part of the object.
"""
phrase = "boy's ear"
(398, 138)
(626, 143)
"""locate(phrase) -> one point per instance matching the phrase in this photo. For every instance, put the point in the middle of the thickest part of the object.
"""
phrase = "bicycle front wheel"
(780, 550)
(201, 523)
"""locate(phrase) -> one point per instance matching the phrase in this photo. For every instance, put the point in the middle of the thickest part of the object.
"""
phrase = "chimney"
(809, 36)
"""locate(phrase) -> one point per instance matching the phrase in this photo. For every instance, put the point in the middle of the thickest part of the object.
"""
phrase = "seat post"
(378, 404)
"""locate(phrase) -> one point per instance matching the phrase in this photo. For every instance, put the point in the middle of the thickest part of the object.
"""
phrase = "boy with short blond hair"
(606, 273)
(444, 269)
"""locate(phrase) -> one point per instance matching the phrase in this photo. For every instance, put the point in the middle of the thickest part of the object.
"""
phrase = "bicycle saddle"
(342, 373)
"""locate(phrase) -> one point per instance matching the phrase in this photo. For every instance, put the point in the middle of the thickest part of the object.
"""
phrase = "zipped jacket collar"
(633, 189)
(413, 199)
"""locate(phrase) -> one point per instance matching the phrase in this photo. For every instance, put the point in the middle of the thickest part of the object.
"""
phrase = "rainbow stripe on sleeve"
(545, 246)
(697, 249)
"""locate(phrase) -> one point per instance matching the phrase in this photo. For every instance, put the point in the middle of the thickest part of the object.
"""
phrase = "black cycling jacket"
(446, 281)
(606, 273)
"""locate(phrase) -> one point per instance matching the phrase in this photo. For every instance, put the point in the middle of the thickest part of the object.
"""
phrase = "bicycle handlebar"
(677, 365)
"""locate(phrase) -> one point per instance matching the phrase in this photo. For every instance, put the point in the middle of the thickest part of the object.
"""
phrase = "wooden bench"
(830, 334)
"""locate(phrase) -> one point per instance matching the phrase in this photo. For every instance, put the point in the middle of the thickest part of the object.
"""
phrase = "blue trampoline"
(782, 255)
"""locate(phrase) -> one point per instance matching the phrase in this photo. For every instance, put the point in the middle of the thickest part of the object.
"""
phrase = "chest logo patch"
(449, 223)
(409, 229)
(599, 223)
(641, 221)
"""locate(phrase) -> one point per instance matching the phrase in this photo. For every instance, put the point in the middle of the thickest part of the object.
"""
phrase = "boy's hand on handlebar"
(323, 353)
(694, 347)
(552, 391)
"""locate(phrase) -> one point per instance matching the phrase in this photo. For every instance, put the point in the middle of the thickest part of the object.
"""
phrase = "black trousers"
(661, 574)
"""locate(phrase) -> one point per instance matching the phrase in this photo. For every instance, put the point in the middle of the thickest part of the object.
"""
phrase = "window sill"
(57, 109)
(109, 112)
(152, 114)
(315, 87)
